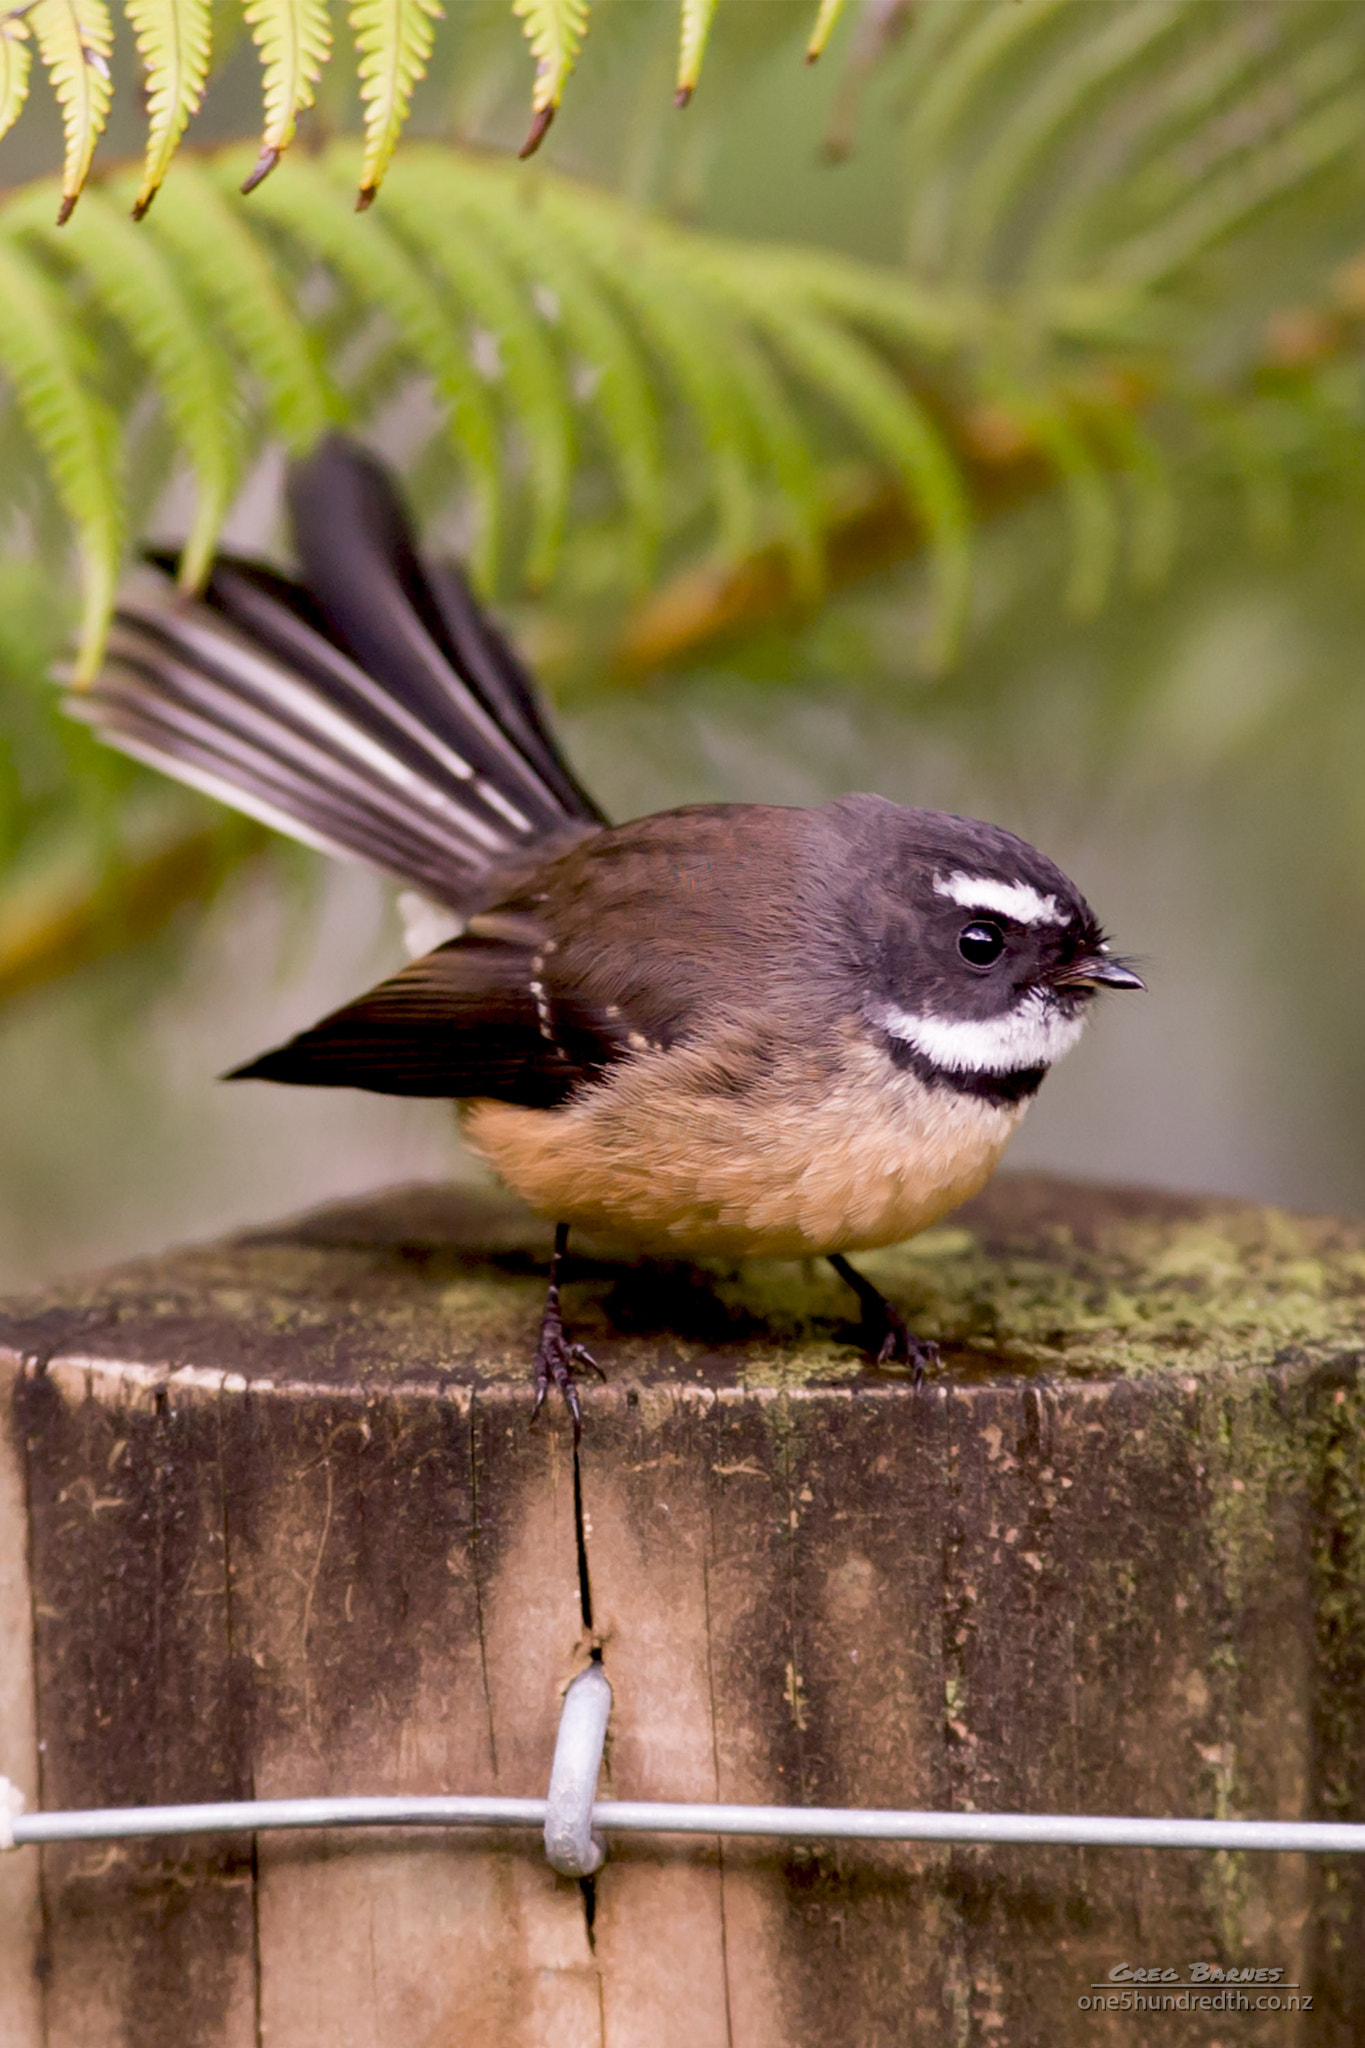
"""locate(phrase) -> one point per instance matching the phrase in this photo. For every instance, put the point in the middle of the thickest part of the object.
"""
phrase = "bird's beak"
(1093, 970)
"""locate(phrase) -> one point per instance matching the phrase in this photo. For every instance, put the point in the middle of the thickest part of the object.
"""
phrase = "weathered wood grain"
(21, 1945)
(272, 1522)
(135, 1688)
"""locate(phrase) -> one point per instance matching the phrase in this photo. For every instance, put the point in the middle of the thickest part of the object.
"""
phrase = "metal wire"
(615, 1816)
(244, 1816)
(573, 1821)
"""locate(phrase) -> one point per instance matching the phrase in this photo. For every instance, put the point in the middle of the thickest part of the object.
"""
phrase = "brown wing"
(474, 1018)
(640, 936)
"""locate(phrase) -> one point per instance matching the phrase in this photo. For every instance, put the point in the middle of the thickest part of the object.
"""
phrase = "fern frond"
(826, 21)
(622, 397)
(785, 452)
(447, 240)
(394, 40)
(697, 16)
(1060, 145)
(933, 321)
(1267, 500)
(1302, 72)
(989, 40)
(215, 252)
(74, 39)
(891, 422)
(58, 920)
(1155, 510)
(130, 278)
(294, 38)
(174, 38)
(310, 208)
(687, 392)
(899, 430)
(555, 30)
(691, 340)
(16, 62)
(1095, 530)
(1226, 202)
(1067, 85)
(1119, 155)
(72, 428)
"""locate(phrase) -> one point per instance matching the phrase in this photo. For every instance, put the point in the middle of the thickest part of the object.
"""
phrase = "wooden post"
(273, 1522)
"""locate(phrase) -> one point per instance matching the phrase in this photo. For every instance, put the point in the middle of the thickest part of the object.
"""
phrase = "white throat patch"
(1009, 899)
(1035, 1033)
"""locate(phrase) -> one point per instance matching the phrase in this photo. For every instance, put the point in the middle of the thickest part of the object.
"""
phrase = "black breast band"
(1003, 1090)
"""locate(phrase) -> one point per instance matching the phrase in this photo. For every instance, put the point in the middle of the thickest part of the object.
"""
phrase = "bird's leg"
(556, 1357)
(887, 1335)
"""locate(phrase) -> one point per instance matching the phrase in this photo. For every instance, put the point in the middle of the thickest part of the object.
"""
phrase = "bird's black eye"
(981, 943)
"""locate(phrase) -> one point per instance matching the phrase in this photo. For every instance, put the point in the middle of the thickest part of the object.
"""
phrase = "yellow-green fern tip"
(74, 38)
(825, 20)
(174, 39)
(555, 30)
(697, 16)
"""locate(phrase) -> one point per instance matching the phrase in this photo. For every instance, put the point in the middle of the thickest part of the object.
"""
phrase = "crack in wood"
(476, 1566)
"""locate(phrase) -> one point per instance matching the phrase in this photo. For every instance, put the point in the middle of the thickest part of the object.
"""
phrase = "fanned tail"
(370, 709)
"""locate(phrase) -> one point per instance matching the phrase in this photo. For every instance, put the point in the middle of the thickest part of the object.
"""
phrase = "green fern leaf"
(555, 30)
(1154, 512)
(896, 427)
(691, 339)
(394, 40)
(697, 16)
(215, 252)
(959, 75)
(129, 277)
(16, 59)
(622, 394)
(1090, 499)
(307, 205)
(936, 320)
(825, 22)
(788, 459)
(1069, 84)
(294, 38)
(174, 38)
(38, 355)
(1226, 202)
(74, 38)
(1107, 182)
(444, 238)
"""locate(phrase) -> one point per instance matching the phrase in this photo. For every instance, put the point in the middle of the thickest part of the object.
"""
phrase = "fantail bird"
(728, 1028)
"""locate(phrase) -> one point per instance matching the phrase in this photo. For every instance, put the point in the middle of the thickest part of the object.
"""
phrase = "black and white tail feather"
(370, 709)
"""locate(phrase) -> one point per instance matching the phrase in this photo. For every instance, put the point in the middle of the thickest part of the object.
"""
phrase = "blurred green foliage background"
(1182, 728)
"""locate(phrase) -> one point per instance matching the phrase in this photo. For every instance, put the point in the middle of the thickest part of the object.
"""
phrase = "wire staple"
(571, 1843)
(11, 1806)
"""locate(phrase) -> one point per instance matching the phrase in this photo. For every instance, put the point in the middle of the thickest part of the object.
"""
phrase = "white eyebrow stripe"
(1035, 1033)
(1018, 900)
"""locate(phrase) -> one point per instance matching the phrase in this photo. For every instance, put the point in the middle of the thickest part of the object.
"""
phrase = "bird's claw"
(556, 1360)
(900, 1346)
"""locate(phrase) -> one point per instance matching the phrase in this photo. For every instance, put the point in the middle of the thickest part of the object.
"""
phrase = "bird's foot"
(891, 1341)
(887, 1337)
(556, 1357)
(556, 1362)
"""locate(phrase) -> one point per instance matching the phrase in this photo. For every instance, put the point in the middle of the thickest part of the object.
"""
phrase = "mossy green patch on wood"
(1036, 1278)
(1233, 1287)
